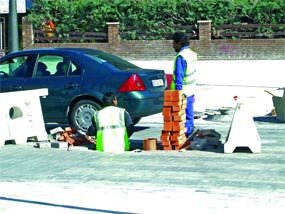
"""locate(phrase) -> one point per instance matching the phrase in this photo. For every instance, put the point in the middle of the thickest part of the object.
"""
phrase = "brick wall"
(206, 48)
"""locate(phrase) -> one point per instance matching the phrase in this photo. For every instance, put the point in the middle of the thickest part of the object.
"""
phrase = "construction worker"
(112, 126)
(183, 77)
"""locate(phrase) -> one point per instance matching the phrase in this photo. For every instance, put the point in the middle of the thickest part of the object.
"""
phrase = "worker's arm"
(129, 124)
(179, 72)
(92, 130)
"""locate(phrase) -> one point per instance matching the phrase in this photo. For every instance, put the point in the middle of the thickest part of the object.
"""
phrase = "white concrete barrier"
(242, 132)
(21, 116)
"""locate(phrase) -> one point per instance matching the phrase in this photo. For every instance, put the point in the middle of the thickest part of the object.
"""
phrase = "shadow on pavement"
(140, 128)
(267, 119)
(138, 144)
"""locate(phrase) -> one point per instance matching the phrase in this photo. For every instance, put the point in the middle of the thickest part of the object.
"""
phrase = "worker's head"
(110, 99)
(180, 40)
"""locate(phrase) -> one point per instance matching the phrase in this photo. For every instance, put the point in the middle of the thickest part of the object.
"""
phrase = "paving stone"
(43, 145)
(59, 145)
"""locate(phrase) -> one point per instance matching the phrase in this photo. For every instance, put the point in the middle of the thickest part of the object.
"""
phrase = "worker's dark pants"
(190, 115)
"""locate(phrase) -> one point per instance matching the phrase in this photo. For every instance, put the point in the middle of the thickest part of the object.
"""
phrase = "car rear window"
(112, 60)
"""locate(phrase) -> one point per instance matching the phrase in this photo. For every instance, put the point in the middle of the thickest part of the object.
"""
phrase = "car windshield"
(110, 59)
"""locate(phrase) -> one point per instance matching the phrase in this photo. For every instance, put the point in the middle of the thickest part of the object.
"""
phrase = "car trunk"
(154, 80)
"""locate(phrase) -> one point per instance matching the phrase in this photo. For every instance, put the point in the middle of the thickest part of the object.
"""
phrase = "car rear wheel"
(82, 113)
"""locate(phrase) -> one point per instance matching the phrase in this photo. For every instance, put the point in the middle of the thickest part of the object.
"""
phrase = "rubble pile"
(72, 136)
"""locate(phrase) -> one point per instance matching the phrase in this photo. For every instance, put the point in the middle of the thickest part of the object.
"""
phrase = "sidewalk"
(248, 73)
(220, 80)
(66, 182)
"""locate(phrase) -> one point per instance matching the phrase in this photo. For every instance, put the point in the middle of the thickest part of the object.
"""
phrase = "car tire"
(82, 113)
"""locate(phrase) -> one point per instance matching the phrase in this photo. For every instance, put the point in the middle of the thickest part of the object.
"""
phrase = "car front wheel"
(82, 113)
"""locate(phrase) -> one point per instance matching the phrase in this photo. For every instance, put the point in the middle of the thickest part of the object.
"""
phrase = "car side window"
(16, 67)
(51, 65)
(74, 69)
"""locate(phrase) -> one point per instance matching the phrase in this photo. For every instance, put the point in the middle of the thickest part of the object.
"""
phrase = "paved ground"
(60, 181)
(83, 181)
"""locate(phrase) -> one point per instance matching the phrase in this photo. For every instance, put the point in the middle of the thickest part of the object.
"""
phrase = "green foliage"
(156, 18)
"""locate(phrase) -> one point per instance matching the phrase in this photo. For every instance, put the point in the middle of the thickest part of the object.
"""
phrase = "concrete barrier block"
(242, 132)
(21, 116)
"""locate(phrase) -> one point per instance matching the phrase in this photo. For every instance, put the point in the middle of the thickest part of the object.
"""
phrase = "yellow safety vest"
(111, 131)
(189, 80)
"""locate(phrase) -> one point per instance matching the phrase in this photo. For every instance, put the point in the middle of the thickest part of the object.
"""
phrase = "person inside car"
(42, 70)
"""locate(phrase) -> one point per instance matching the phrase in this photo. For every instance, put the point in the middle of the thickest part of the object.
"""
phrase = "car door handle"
(70, 85)
(16, 88)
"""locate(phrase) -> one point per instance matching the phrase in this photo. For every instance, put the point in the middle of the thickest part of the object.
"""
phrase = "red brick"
(179, 141)
(68, 139)
(164, 137)
(167, 148)
(166, 143)
(149, 144)
(167, 126)
(167, 98)
(180, 132)
(166, 111)
(178, 126)
(167, 118)
(168, 92)
(177, 113)
(176, 108)
(177, 93)
(177, 147)
(167, 103)
(177, 97)
(180, 118)
(166, 132)
(175, 137)
(176, 103)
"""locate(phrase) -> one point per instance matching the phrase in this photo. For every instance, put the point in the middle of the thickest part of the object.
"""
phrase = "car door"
(62, 86)
(14, 71)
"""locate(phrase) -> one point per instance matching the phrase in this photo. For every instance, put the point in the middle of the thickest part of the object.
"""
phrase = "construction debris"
(72, 137)
(205, 140)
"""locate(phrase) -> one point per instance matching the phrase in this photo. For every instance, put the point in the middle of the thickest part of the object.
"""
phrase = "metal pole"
(13, 34)
(1, 36)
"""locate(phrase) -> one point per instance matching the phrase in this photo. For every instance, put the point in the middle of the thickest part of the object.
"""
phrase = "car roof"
(79, 52)
(62, 50)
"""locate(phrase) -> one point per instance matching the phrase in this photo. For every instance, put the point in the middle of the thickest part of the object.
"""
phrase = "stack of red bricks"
(173, 134)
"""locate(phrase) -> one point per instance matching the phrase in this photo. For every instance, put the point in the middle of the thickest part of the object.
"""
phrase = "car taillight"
(133, 83)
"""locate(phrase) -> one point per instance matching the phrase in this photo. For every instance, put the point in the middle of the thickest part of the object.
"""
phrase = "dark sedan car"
(77, 79)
